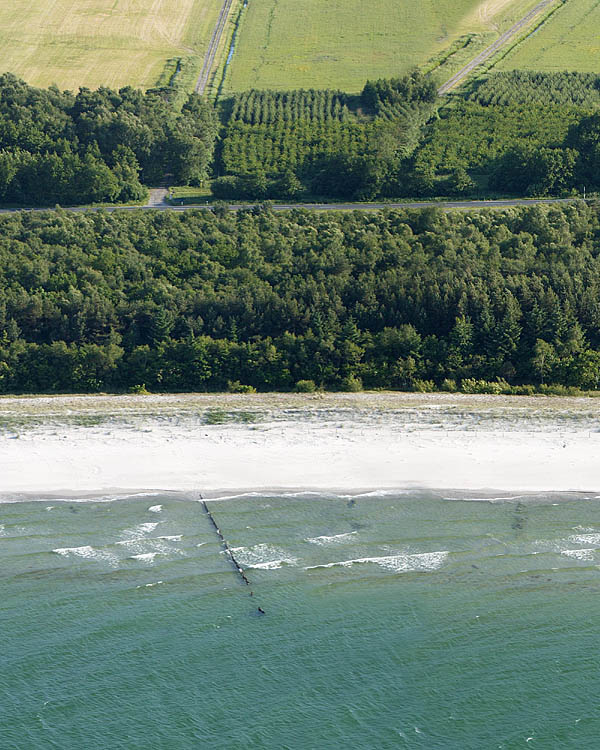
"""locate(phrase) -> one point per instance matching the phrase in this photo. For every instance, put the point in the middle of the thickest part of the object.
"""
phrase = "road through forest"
(444, 205)
(502, 40)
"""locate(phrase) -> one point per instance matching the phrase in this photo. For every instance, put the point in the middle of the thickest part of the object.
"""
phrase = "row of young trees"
(520, 87)
(284, 144)
(303, 149)
(396, 299)
(101, 145)
(257, 107)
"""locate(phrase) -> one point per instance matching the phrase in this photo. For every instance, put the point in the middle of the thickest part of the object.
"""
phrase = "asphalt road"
(502, 40)
(445, 205)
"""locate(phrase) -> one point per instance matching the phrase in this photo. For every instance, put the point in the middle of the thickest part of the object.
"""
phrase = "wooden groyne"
(240, 571)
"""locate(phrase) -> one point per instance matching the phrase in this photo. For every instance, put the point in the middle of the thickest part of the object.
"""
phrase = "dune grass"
(569, 40)
(102, 42)
(285, 44)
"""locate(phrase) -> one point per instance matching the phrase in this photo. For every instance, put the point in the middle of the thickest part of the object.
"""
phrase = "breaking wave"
(424, 561)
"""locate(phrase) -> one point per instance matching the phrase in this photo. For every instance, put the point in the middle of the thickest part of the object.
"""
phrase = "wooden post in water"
(224, 544)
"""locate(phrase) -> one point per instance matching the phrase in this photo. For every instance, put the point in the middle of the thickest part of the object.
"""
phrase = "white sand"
(353, 442)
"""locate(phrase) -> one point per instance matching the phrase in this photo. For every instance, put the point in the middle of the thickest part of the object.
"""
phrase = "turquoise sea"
(392, 620)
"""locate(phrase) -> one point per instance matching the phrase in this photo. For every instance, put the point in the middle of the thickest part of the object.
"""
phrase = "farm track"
(502, 41)
(213, 46)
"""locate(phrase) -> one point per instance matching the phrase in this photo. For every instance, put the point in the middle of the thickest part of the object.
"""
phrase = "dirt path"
(213, 46)
(157, 198)
(502, 40)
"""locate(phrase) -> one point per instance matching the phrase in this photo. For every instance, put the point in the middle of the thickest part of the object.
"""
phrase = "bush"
(306, 386)
(523, 390)
(351, 384)
(423, 386)
(555, 389)
(139, 390)
(471, 385)
(449, 385)
(234, 386)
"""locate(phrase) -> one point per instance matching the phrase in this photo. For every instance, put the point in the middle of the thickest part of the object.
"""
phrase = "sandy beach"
(216, 444)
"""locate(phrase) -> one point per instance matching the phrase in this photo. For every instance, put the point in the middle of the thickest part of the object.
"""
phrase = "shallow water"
(418, 620)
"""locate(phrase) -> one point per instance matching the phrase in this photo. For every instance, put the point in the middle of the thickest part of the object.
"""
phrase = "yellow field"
(101, 42)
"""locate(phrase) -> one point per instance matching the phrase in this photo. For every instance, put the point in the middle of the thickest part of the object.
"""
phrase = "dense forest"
(483, 301)
(98, 146)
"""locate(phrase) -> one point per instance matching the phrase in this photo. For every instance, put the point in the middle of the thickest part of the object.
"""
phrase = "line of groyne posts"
(240, 571)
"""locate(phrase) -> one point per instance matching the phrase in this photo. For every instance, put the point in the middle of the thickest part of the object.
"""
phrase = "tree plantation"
(514, 134)
(397, 299)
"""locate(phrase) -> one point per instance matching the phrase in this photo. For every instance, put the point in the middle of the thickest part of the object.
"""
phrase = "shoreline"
(344, 443)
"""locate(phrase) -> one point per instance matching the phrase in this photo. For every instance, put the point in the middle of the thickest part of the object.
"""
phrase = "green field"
(283, 44)
(570, 40)
(102, 42)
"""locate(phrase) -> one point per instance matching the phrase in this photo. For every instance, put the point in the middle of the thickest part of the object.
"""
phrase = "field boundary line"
(213, 46)
(501, 42)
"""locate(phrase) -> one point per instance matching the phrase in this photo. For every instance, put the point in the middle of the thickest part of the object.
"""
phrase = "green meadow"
(569, 40)
(103, 42)
(283, 44)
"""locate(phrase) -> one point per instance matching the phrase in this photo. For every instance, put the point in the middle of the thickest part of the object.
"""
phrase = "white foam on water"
(171, 538)
(315, 493)
(128, 496)
(141, 530)
(81, 551)
(145, 557)
(374, 493)
(2, 527)
(489, 499)
(262, 556)
(155, 508)
(151, 546)
(241, 496)
(273, 564)
(91, 498)
(87, 552)
(149, 585)
(146, 528)
(586, 529)
(50, 507)
(424, 561)
(585, 539)
(335, 539)
(579, 554)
